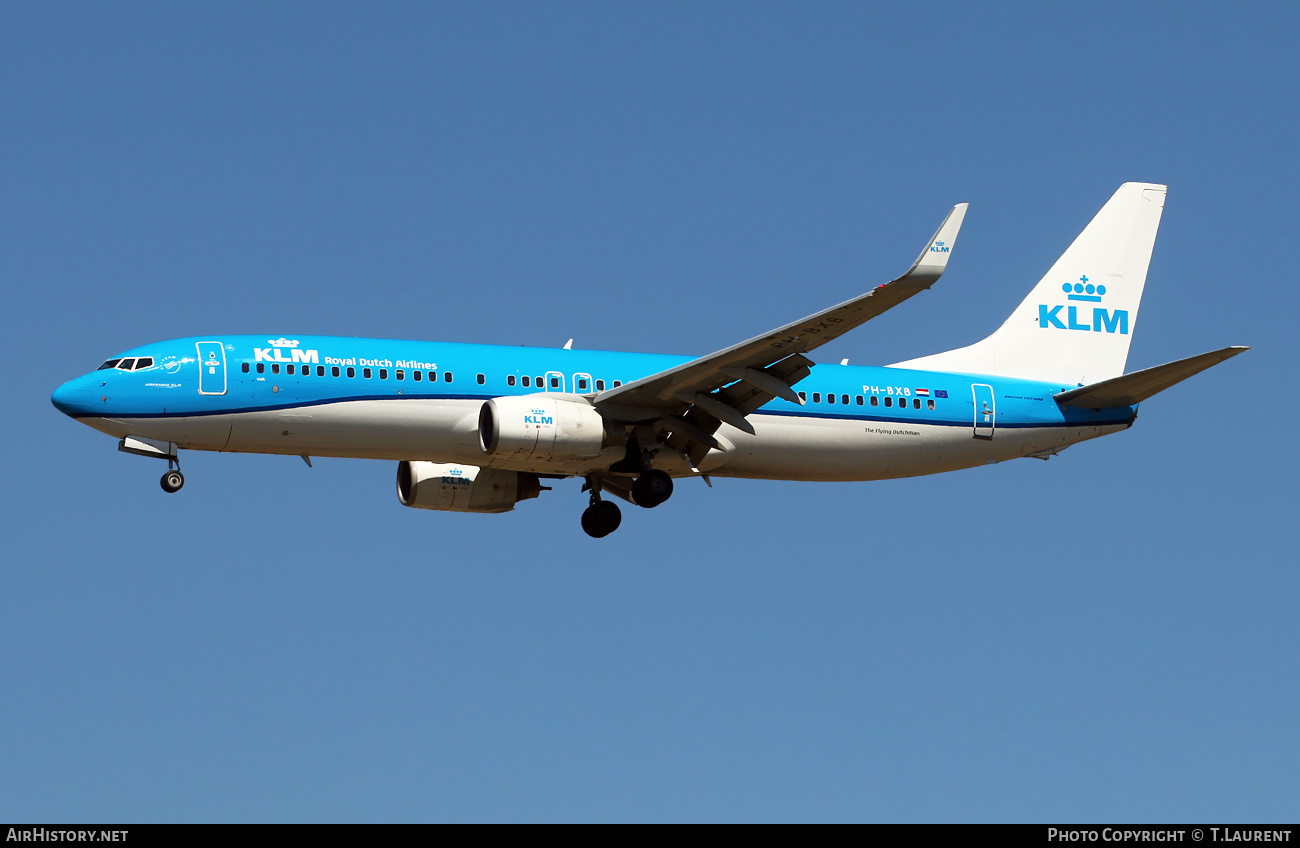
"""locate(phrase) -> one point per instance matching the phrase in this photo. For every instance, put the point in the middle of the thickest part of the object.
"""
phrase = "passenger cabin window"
(618, 383)
(600, 385)
(365, 372)
(875, 401)
(830, 398)
(275, 368)
(433, 376)
(399, 374)
(383, 373)
(929, 404)
(817, 397)
(244, 367)
(261, 367)
(446, 376)
(481, 379)
(582, 385)
(334, 370)
(417, 375)
(112, 363)
(352, 372)
(844, 399)
(803, 396)
(859, 400)
(528, 382)
(916, 403)
(320, 370)
(555, 382)
(889, 401)
(510, 379)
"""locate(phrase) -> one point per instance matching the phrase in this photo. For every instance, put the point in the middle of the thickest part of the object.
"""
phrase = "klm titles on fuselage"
(313, 357)
(276, 354)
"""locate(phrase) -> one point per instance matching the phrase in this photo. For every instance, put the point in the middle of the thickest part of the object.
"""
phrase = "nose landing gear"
(172, 481)
(140, 446)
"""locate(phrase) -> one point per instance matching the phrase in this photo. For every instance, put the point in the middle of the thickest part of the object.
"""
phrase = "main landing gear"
(602, 517)
(652, 488)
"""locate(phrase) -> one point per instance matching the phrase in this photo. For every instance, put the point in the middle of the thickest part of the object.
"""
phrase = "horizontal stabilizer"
(1140, 385)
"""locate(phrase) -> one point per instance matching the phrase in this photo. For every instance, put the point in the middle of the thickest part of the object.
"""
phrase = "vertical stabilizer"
(1076, 324)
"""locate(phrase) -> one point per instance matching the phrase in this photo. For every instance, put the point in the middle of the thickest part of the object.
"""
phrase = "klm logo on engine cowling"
(275, 353)
(1101, 320)
(538, 416)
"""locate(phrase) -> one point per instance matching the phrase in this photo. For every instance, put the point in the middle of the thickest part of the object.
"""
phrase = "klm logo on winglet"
(1102, 320)
(939, 247)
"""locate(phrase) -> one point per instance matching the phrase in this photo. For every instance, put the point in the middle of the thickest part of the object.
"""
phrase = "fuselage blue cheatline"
(476, 428)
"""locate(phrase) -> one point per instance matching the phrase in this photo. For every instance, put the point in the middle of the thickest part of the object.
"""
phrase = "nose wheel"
(172, 481)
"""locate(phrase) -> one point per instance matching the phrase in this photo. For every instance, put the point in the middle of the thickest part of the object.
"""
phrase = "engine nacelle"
(541, 428)
(463, 488)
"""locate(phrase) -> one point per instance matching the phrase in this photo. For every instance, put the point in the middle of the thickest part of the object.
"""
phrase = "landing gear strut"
(173, 480)
(652, 488)
(602, 517)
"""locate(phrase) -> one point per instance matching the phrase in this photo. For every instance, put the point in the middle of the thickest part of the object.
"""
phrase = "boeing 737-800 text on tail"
(477, 428)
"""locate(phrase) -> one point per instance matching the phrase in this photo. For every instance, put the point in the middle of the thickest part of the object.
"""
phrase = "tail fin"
(1075, 326)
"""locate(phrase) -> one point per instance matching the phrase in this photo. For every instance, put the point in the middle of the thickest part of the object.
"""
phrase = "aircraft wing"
(691, 399)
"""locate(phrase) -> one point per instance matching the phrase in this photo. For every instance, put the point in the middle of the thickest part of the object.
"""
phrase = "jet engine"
(541, 428)
(463, 488)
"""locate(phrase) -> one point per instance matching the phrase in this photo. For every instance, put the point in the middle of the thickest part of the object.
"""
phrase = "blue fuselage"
(381, 398)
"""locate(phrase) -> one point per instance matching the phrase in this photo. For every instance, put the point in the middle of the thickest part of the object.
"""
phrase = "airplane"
(478, 428)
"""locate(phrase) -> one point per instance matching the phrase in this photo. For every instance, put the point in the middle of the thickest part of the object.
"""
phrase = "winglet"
(934, 258)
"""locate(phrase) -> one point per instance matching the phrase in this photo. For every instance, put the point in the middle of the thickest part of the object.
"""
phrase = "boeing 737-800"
(477, 428)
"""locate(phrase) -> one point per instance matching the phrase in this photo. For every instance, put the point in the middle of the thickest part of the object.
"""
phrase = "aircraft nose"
(74, 398)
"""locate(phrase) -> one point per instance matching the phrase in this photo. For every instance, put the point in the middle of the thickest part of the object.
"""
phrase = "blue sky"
(1109, 635)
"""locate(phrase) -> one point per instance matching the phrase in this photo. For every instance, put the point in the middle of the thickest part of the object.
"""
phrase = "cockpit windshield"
(130, 364)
